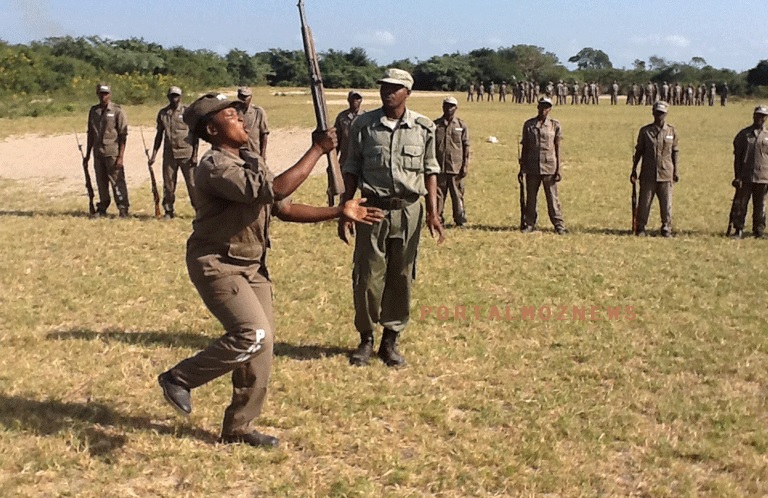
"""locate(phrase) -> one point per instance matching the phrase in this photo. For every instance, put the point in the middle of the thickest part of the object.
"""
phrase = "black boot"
(388, 349)
(362, 355)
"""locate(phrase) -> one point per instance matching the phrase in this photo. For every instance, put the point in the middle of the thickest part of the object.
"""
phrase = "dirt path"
(53, 162)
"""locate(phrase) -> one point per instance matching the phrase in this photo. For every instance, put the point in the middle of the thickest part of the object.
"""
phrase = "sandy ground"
(53, 163)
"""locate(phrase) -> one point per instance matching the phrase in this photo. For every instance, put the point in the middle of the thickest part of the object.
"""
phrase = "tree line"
(140, 71)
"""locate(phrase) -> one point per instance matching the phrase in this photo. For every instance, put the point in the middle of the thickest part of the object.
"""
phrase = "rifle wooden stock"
(634, 208)
(153, 183)
(87, 174)
(335, 179)
(522, 189)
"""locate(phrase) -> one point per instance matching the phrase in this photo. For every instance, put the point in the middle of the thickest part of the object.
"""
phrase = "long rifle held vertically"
(521, 182)
(155, 193)
(634, 197)
(735, 211)
(88, 184)
(335, 179)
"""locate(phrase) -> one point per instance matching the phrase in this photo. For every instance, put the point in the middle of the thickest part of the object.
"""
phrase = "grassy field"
(668, 400)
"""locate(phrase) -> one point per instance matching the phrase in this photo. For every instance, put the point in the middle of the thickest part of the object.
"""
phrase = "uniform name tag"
(462, 129)
(111, 115)
(670, 137)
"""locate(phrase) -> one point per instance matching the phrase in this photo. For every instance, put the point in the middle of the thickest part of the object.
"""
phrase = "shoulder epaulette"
(425, 122)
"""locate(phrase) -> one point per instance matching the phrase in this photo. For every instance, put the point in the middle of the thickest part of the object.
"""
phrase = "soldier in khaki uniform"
(540, 166)
(452, 152)
(657, 147)
(226, 260)
(750, 173)
(255, 123)
(392, 161)
(180, 151)
(344, 121)
(107, 134)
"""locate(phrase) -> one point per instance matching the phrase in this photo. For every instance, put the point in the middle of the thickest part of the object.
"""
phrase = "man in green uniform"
(540, 166)
(255, 123)
(180, 151)
(344, 121)
(452, 152)
(107, 134)
(750, 173)
(392, 161)
(657, 147)
(227, 256)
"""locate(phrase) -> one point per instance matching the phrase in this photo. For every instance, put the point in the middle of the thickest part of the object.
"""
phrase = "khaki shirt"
(750, 150)
(451, 145)
(255, 121)
(655, 146)
(107, 129)
(342, 125)
(178, 142)
(538, 140)
(392, 160)
(234, 203)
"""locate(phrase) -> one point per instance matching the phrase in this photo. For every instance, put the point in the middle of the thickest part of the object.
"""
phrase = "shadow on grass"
(74, 214)
(86, 421)
(193, 341)
(489, 228)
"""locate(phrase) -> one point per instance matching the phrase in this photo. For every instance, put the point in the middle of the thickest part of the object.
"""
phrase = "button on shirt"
(107, 129)
(177, 140)
(451, 140)
(391, 159)
(750, 147)
(655, 145)
(538, 141)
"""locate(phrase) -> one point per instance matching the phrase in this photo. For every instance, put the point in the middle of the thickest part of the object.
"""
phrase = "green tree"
(758, 75)
(590, 58)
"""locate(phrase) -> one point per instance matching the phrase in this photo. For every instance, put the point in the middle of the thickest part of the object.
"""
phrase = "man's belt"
(389, 203)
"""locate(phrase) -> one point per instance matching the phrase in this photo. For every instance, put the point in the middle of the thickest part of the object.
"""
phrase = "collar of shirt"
(407, 120)
(169, 110)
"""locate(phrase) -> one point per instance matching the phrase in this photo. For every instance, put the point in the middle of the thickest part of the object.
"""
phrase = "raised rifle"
(335, 178)
(521, 182)
(155, 193)
(88, 184)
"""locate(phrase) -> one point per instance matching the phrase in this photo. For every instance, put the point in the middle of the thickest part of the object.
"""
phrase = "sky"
(728, 34)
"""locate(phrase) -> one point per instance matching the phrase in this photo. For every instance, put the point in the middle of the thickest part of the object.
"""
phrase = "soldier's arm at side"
(675, 152)
(465, 151)
(637, 156)
(158, 139)
(431, 170)
(88, 141)
(121, 122)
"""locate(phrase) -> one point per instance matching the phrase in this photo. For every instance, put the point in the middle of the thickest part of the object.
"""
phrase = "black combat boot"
(388, 349)
(362, 355)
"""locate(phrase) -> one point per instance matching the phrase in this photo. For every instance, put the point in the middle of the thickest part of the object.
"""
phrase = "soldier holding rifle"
(227, 259)
(179, 152)
(750, 173)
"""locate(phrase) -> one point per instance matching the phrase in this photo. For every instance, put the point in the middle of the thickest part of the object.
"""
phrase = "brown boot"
(362, 355)
(388, 349)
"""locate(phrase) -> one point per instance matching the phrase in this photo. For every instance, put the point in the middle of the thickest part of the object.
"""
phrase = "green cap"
(397, 77)
(205, 105)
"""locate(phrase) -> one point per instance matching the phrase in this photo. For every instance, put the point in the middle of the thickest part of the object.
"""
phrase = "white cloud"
(378, 37)
(677, 40)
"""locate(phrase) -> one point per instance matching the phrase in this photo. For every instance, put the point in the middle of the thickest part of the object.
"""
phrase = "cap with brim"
(244, 91)
(354, 94)
(174, 90)
(545, 101)
(103, 89)
(205, 105)
(761, 109)
(660, 106)
(396, 76)
(450, 100)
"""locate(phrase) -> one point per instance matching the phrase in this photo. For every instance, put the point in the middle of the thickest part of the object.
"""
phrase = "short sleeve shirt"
(538, 140)
(255, 120)
(178, 142)
(656, 145)
(107, 129)
(750, 148)
(451, 140)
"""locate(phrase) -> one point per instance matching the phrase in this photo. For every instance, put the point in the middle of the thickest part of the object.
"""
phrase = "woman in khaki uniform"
(226, 259)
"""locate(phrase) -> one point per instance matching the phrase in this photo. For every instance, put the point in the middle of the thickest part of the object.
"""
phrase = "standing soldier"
(678, 94)
(180, 151)
(712, 94)
(503, 92)
(750, 173)
(549, 90)
(665, 92)
(344, 122)
(452, 152)
(649, 93)
(471, 92)
(724, 95)
(107, 134)
(392, 161)
(540, 166)
(657, 147)
(255, 123)
(585, 93)
(480, 92)
(226, 261)
(615, 93)
(594, 93)
(491, 91)
(575, 93)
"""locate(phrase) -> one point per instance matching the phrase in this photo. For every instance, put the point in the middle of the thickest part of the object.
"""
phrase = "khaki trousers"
(385, 267)
(240, 297)
(649, 189)
(449, 184)
(171, 167)
(532, 184)
(757, 191)
(108, 175)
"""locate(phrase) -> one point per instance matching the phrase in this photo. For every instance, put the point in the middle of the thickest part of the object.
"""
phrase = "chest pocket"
(413, 157)
(373, 157)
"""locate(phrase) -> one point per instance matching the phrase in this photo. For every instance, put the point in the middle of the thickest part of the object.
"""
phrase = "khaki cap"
(244, 91)
(451, 100)
(353, 93)
(661, 106)
(205, 105)
(397, 77)
(545, 101)
(174, 90)
(761, 109)
(103, 88)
